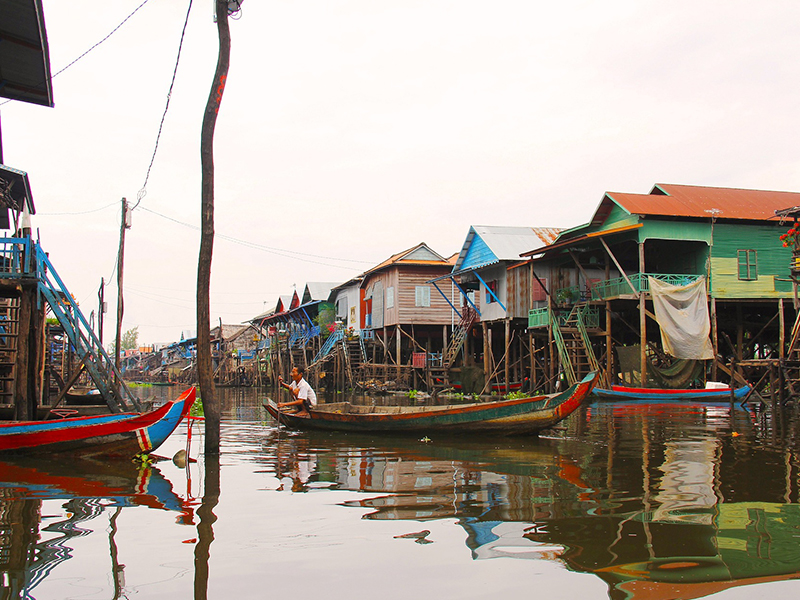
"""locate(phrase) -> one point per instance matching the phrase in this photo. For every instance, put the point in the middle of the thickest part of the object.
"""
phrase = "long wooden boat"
(123, 434)
(620, 392)
(503, 417)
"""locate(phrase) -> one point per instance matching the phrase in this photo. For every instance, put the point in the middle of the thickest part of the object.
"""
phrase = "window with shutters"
(422, 295)
(748, 268)
(537, 293)
(390, 297)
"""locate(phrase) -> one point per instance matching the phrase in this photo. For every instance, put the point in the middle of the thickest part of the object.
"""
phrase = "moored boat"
(503, 417)
(123, 435)
(719, 394)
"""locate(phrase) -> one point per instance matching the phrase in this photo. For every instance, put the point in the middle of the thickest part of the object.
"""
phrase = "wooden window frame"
(743, 261)
(422, 296)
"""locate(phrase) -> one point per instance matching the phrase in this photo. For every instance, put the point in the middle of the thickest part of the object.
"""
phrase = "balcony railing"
(614, 288)
(15, 258)
(605, 290)
(541, 317)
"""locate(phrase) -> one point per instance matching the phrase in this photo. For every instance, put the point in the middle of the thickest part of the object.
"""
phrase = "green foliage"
(412, 394)
(129, 341)
(197, 409)
(517, 395)
(325, 319)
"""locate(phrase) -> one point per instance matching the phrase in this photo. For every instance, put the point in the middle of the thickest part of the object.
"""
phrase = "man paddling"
(303, 395)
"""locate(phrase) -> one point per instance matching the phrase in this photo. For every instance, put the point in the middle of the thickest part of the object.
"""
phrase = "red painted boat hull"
(125, 434)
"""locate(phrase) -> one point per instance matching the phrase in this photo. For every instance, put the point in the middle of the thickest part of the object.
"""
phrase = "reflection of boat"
(124, 434)
(517, 416)
(723, 394)
(36, 542)
(125, 482)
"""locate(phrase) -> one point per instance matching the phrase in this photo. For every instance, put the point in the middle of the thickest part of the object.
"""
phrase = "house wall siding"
(439, 311)
(773, 262)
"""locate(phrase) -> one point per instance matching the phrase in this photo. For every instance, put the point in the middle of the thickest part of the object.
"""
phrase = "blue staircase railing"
(333, 339)
(88, 347)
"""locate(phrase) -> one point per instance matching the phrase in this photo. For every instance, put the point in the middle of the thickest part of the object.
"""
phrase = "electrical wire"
(143, 192)
(277, 251)
(82, 212)
(113, 31)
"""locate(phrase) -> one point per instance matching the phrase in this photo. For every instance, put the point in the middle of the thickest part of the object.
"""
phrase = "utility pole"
(125, 224)
(205, 372)
(102, 309)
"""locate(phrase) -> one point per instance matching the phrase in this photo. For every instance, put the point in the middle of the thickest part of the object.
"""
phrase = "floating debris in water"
(420, 537)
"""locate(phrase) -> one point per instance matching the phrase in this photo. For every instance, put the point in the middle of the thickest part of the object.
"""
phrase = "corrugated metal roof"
(24, 53)
(317, 290)
(506, 242)
(700, 202)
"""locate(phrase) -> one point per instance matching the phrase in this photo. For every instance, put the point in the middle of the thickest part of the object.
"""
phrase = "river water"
(622, 501)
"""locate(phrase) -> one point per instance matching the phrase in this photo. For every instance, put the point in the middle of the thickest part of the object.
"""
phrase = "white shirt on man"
(305, 391)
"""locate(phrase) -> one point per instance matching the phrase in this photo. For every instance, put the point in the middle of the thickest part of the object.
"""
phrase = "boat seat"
(63, 413)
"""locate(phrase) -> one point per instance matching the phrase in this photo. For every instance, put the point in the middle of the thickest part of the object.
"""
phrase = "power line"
(143, 192)
(82, 212)
(278, 251)
(113, 31)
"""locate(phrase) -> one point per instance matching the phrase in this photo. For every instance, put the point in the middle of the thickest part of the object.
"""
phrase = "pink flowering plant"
(791, 237)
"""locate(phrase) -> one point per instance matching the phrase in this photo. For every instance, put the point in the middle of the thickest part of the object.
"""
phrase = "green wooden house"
(676, 234)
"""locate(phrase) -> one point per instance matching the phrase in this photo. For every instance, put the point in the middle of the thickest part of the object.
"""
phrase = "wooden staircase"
(9, 334)
(791, 364)
(354, 357)
(468, 318)
(574, 344)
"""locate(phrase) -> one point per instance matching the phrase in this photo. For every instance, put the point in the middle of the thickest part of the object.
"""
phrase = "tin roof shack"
(489, 295)
(294, 332)
(346, 300)
(233, 353)
(725, 240)
(402, 315)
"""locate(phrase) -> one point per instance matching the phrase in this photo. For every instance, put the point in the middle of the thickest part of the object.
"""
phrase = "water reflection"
(34, 544)
(659, 501)
(656, 501)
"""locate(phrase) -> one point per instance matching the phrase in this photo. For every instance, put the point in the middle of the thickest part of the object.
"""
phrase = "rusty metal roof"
(700, 202)
(421, 254)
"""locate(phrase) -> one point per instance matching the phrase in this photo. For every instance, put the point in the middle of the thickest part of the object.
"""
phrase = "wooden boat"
(505, 417)
(84, 397)
(723, 394)
(123, 434)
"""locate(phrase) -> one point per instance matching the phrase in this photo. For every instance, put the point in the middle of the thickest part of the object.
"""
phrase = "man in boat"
(303, 396)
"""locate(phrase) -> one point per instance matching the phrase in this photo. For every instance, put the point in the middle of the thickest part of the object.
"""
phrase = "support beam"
(621, 270)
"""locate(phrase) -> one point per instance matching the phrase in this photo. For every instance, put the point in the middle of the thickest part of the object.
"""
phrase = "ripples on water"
(621, 501)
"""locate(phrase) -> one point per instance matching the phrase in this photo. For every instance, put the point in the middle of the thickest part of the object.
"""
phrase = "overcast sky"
(351, 130)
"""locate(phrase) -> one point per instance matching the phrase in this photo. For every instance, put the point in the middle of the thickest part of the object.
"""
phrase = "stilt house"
(600, 311)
